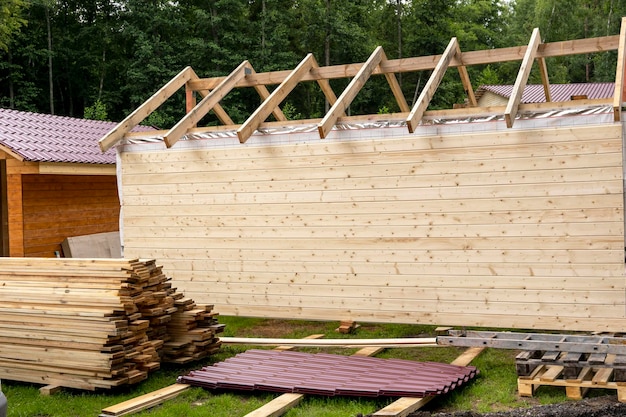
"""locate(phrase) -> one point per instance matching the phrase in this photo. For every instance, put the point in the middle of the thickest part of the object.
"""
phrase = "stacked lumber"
(86, 323)
(193, 330)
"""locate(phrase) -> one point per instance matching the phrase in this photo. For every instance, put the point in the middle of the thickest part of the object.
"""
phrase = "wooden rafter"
(205, 105)
(620, 73)
(395, 88)
(431, 86)
(376, 64)
(350, 92)
(326, 88)
(274, 100)
(217, 109)
(424, 63)
(522, 78)
(545, 79)
(465, 79)
(136, 117)
(264, 93)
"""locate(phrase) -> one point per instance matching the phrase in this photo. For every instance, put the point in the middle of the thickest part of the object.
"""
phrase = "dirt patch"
(279, 328)
(605, 406)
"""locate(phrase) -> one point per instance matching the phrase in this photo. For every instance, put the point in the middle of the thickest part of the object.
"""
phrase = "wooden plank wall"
(520, 229)
(58, 206)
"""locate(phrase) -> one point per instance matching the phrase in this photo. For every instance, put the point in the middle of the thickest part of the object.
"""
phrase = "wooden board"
(95, 323)
(488, 228)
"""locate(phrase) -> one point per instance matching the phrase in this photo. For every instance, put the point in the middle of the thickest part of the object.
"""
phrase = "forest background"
(100, 59)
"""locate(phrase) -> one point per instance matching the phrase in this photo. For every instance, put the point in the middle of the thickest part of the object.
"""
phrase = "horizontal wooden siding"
(510, 229)
(60, 206)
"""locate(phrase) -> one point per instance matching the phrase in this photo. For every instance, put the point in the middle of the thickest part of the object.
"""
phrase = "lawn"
(493, 390)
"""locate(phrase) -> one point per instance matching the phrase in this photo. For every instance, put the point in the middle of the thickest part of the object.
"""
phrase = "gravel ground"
(604, 406)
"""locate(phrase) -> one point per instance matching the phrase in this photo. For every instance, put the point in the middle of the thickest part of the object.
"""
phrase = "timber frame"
(213, 90)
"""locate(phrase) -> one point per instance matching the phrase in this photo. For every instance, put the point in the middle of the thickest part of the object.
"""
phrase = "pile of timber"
(95, 323)
(194, 332)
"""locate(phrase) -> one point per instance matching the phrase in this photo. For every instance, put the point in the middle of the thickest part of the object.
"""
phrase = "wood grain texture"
(60, 206)
(518, 228)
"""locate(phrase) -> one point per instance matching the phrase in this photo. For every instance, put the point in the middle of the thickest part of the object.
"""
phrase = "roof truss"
(213, 90)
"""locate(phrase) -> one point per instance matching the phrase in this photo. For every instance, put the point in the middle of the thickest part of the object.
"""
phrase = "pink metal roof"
(326, 374)
(533, 93)
(45, 138)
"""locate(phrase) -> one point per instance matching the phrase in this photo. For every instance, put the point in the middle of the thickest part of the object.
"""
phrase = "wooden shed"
(55, 182)
(504, 216)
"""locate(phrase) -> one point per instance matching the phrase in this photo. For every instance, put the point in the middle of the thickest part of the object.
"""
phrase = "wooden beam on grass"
(620, 73)
(350, 92)
(522, 78)
(143, 111)
(145, 401)
(397, 342)
(278, 95)
(205, 105)
(404, 406)
(431, 85)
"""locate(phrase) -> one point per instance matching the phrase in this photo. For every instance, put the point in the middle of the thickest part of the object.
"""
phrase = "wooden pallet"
(575, 388)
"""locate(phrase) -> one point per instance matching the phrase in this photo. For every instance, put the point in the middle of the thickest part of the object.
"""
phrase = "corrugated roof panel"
(47, 138)
(533, 93)
(327, 374)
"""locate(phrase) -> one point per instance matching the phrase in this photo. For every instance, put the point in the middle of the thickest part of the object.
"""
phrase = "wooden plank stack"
(194, 331)
(91, 323)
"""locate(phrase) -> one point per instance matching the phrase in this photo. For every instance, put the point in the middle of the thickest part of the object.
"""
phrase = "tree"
(561, 20)
(11, 20)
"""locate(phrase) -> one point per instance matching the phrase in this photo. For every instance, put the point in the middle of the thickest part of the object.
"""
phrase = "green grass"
(493, 390)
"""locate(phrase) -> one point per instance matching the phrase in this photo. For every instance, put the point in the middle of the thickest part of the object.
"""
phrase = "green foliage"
(290, 111)
(97, 111)
(141, 45)
(11, 20)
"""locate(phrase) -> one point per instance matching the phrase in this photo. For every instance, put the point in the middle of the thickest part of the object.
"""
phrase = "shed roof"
(534, 93)
(37, 137)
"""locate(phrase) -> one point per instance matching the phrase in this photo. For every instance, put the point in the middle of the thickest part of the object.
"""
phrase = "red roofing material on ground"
(327, 374)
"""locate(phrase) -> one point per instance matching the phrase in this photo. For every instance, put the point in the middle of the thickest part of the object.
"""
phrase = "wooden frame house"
(55, 182)
(504, 216)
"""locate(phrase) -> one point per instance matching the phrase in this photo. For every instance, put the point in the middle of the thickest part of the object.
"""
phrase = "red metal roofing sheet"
(533, 93)
(46, 138)
(327, 374)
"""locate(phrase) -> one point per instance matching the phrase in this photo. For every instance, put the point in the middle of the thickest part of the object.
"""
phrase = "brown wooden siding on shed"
(58, 206)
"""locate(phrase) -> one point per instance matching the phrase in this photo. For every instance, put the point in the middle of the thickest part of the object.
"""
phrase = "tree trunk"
(399, 27)
(327, 48)
(50, 85)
